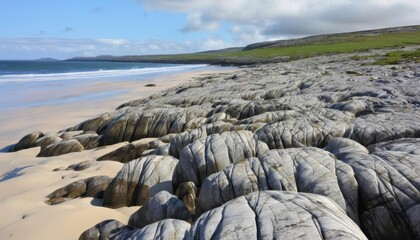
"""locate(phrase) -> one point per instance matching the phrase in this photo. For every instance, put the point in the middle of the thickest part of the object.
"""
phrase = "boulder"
(161, 206)
(89, 140)
(382, 127)
(130, 151)
(276, 215)
(165, 229)
(104, 230)
(209, 155)
(27, 141)
(61, 148)
(187, 192)
(140, 180)
(89, 187)
(180, 141)
(45, 141)
(388, 186)
(310, 170)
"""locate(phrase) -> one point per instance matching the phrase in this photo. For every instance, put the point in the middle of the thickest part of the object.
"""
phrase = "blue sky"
(66, 28)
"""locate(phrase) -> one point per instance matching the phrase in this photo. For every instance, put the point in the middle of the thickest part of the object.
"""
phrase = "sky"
(66, 28)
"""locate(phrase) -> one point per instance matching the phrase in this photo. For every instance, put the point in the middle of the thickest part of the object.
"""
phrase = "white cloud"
(32, 48)
(267, 19)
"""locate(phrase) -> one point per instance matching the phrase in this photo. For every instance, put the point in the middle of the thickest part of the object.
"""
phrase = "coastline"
(26, 180)
(87, 102)
(315, 109)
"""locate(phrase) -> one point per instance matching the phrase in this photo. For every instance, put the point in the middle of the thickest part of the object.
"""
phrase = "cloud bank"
(62, 48)
(254, 20)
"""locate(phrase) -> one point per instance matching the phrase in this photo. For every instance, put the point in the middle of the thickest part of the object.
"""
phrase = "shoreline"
(303, 117)
(105, 96)
(26, 180)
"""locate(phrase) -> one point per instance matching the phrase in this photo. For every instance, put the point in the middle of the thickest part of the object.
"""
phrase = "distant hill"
(331, 38)
(47, 60)
(285, 50)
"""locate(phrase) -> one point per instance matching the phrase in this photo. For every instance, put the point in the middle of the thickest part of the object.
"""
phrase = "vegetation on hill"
(291, 49)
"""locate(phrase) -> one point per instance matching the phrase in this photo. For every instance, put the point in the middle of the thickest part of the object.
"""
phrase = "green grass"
(346, 45)
(349, 44)
(397, 57)
(330, 44)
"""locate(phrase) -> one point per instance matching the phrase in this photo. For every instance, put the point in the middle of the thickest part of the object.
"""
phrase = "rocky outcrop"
(187, 192)
(140, 180)
(130, 151)
(59, 148)
(276, 215)
(165, 229)
(381, 127)
(310, 170)
(161, 206)
(89, 187)
(389, 186)
(149, 122)
(300, 133)
(219, 143)
(28, 141)
(104, 230)
(180, 141)
(215, 152)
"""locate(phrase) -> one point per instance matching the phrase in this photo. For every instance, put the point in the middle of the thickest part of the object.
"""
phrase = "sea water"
(39, 83)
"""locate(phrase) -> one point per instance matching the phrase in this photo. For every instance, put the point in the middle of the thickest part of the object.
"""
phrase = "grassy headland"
(286, 50)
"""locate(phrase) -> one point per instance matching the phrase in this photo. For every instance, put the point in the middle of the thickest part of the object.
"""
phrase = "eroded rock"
(89, 187)
(213, 153)
(276, 215)
(161, 206)
(310, 170)
(389, 187)
(139, 180)
(61, 148)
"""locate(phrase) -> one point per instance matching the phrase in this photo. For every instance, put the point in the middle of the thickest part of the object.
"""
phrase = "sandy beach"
(26, 180)
(17, 122)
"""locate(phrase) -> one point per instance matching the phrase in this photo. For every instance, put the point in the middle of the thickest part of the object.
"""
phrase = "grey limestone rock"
(180, 141)
(310, 170)
(140, 180)
(276, 215)
(82, 165)
(130, 151)
(166, 229)
(300, 133)
(155, 122)
(389, 186)
(88, 140)
(215, 152)
(187, 192)
(161, 206)
(28, 141)
(45, 141)
(104, 230)
(89, 187)
(60, 148)
(381, 127)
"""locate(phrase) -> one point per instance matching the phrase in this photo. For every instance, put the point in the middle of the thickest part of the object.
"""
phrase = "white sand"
(16, 123)
(25, 180)
(24, 215)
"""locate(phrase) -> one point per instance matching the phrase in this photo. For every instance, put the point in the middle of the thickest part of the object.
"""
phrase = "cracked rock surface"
(324, 147)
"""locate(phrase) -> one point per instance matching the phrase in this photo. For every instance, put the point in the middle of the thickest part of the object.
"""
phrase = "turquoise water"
(20, 81)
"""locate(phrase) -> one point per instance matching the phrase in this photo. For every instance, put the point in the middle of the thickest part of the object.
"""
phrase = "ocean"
(39, 83)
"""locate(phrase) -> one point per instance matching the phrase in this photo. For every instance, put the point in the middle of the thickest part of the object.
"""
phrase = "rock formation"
(315, 148)
(310, 170)
(213, 153)
(161, 206)
(139, 180)
(276, 215)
